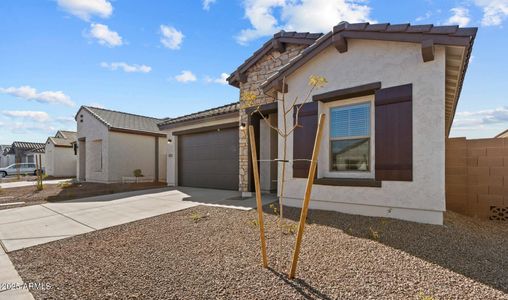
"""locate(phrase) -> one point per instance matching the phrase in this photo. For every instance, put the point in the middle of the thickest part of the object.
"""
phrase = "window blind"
(349, 121)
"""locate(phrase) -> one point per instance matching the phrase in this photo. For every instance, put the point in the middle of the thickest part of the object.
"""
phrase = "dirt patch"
(208, 253)
(67, 191)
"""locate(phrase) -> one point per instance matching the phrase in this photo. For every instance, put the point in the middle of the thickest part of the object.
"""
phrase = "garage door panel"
(209, 159)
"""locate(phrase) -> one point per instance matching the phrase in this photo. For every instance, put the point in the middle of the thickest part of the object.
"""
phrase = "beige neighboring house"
(503, 134)
(61, 157)
(27, 152)
(112, 144)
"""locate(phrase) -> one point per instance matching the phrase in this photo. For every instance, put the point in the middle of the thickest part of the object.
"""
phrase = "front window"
(350, 138)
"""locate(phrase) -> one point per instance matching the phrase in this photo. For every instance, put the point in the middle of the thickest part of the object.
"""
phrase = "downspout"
(156, 159)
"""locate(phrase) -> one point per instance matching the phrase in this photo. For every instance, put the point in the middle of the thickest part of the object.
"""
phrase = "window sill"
(348, 182)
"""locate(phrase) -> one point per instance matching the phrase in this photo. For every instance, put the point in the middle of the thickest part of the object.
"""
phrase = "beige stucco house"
(389, 104)
(112, 144)
(61, 157)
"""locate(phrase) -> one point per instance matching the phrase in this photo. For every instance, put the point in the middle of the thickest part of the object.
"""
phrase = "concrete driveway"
(32, 225)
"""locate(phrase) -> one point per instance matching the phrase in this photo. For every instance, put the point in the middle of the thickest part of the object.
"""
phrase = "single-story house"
(112, 144)
(26, 152)
(389, 103)
(61, 158)
(503, 134)
(6, 159)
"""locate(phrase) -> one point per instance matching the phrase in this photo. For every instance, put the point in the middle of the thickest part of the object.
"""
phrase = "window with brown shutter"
(303, 138)
(394, 133)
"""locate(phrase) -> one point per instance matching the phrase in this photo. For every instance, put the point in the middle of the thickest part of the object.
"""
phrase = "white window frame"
(325, 160)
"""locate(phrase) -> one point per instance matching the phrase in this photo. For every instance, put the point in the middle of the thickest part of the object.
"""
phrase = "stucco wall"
(60, 161)
(93, 130)
(128, 152)
(392, 64)
(172, 147)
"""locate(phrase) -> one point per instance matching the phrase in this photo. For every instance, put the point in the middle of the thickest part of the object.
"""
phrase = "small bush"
(196, 217)
(138, 173)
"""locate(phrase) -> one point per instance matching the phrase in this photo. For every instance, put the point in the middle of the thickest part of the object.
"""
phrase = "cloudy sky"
(168, 58)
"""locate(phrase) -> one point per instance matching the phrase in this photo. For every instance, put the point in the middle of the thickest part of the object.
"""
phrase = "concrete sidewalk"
(33, 225)
(8, 185)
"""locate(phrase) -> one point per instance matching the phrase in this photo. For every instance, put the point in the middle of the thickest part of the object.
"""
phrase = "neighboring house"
(503, 134)
(26, 152)
(389, 104)
(6, 159)
(61, 158)
(112, 144)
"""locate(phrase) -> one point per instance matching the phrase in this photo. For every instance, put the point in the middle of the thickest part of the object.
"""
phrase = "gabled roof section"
(60, 142)
(458, 42)
(126, 122)
(63, 138)
(503, 134)
(276, 43)
(69, 135)
(220, 111)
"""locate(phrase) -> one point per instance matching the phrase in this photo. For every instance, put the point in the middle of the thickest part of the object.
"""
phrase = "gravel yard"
(207, 253)
(66, 191)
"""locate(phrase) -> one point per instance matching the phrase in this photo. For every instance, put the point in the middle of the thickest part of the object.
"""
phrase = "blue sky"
(168, 58)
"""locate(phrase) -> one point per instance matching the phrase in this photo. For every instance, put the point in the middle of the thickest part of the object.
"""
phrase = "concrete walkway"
(8, 185)
(10, 281)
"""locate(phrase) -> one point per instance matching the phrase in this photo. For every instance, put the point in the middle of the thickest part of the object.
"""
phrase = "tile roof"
(221, 110)
(291, 37)
(61, 141)
(27, 146)
(120, 120)
(70, 135)
(384, 31)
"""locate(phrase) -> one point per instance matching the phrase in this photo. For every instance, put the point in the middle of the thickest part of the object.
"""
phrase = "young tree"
(248, 101)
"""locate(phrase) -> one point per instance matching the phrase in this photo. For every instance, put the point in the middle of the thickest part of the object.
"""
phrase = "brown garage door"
(209, 159)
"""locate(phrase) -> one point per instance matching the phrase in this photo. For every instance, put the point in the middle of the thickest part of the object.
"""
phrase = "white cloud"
(66, 120)
(207, 3)
(170, 37)
(38, 116)
(494, 11)
(29, 93)
(220, 80)
(84, 9)
(126, 67)
(303, 15)
(427, 16)
(460, 16)
(104, 36)
(186, 76)
(483, 117)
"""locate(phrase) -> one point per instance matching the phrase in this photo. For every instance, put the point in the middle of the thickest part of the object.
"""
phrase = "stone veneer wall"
(256, 75)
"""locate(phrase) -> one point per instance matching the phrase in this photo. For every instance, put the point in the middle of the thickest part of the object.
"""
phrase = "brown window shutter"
(303, 138)
(394, 133)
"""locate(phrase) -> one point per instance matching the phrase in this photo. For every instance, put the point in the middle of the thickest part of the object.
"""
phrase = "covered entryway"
(209, 159)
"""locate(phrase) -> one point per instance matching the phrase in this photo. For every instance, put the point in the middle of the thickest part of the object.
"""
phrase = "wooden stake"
(258, 195)
(306, 199)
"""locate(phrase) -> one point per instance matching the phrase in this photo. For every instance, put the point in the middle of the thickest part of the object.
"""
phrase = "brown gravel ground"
(59, 192)
(209, 253)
